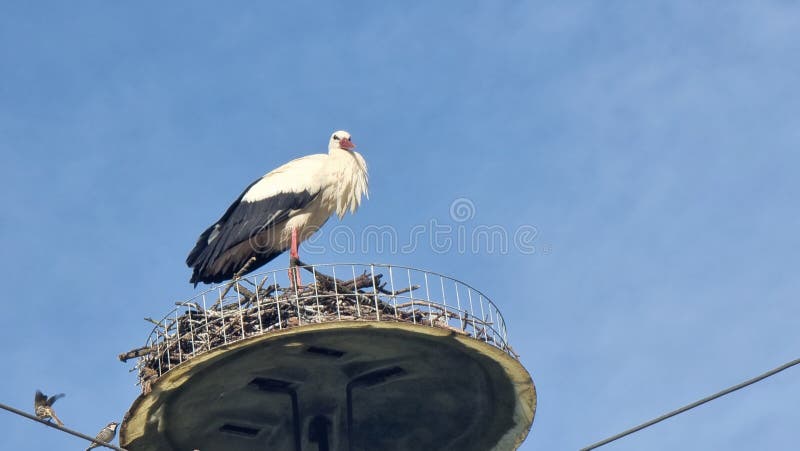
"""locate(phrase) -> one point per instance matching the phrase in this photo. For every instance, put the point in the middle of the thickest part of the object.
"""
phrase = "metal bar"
(222, 318)
(462, 317)
(166, 342)
(355, 292)
(336, 292)
(258, 306)
(191, 329)
(316, 293)
(472, 313)
(411, 295)
(158, 358)
(489, 326)
(205, 314)
(504, 331)
(375, 293)
(239, 303)
(293, 275)
(444, 301)
(178, 337)
(428, 298)
(277, 301)
(394, 297)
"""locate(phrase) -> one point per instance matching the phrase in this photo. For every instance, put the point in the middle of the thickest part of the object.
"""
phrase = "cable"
(60, 428)
(693, 405)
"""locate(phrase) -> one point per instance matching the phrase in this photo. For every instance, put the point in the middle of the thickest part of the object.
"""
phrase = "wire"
(60, 428)
(693, 405)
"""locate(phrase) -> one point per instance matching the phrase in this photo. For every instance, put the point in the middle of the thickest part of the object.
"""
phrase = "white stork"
(280, 210)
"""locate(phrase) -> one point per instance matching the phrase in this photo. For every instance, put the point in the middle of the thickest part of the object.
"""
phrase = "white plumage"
(297, 197)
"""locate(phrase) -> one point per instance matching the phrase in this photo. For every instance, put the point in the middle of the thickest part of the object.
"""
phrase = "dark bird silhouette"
(105, 435)
(43, 406)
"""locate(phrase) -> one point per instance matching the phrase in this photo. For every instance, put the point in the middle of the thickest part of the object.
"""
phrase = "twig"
(124, 357)
(157, 323)
(235, 279)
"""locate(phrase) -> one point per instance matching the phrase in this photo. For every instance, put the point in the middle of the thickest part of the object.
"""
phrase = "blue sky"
(652, 145)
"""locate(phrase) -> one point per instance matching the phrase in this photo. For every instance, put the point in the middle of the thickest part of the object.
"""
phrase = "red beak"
(346, 144)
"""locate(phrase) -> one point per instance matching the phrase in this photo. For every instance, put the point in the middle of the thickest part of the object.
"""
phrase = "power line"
(693, 405)
(60, 428)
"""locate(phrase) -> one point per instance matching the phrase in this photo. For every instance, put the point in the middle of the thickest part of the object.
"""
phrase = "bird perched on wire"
(280, 210)
(105, 435)
(43, 406)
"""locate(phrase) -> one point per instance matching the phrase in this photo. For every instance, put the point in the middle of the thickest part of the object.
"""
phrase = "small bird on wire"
(105, 435)
(43, 406)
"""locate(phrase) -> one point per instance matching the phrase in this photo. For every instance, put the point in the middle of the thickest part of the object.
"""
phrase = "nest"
(255, 310)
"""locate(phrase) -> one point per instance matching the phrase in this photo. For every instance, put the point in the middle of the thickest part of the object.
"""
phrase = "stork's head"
(340, 140)
(112, 425)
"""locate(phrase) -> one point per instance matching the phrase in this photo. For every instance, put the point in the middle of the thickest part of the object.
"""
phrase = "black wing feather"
(40, 398)
(191, 259)
(241, 221)
(54, 398)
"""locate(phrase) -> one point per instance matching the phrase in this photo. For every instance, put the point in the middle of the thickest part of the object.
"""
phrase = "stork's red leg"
(294, 273)
(293, 252)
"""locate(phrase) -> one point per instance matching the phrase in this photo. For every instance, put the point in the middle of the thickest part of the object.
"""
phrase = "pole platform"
(345, 385)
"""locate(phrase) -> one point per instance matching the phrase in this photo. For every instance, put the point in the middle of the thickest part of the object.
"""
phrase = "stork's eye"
(335, 137)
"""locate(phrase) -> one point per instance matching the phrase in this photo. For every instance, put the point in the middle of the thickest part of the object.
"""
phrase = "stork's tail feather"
(199, 256)
(195, 279)
(58, 420)
(202, 243)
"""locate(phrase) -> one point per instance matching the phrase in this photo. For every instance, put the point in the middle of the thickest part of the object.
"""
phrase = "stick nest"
(252, 310)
